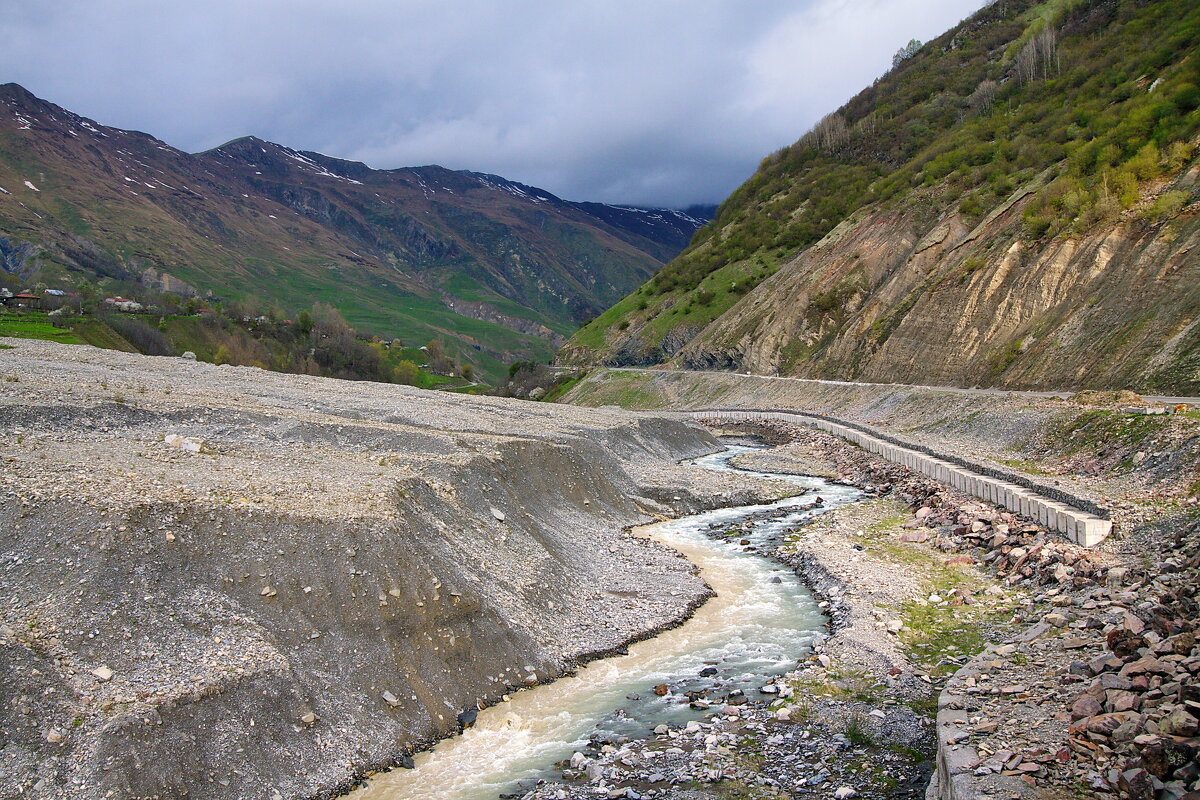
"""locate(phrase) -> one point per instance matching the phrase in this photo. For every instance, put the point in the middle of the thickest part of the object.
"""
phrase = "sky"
(643, 102)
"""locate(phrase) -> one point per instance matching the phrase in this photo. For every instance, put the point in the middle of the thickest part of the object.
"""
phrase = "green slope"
(493, 267)
(1092, 104)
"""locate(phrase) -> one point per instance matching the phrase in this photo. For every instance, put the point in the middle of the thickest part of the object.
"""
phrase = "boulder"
(1180, 722)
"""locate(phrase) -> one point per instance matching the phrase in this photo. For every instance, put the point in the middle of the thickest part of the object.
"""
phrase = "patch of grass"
(801, 708)
(926, 705)
(856, 731)
(479, 388)
(736, 789)
(843, 685)
(96, 333)
(1091, 430)
(934, 633)
(560, 389)
(1029, 467)
(625, 389)
(889, 549)
(35, 325)
(793, 354)
(888, 523)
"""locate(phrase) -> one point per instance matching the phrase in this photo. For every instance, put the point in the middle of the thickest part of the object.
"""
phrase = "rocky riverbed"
(964, 642)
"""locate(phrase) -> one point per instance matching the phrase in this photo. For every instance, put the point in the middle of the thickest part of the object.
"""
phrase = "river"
(758, 626)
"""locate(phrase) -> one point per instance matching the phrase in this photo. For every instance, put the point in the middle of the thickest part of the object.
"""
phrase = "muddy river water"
(759, 625)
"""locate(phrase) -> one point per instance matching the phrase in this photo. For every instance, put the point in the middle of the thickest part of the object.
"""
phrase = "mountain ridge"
(1014, 205)
(259, 222)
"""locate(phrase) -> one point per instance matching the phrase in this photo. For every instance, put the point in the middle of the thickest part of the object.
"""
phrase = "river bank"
(759, 621)
(854, 719)
(1027, 665)
(1095, 688)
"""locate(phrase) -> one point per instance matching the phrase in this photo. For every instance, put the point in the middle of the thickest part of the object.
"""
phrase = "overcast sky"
(653, 102)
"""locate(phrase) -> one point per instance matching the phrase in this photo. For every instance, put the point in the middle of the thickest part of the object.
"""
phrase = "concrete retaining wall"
(1078, 525)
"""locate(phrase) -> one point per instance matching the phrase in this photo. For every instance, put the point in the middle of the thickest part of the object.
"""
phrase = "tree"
(304, 322)
(407, 373)
(984, 96)
(904, 53)
(328, 323)
(831, 132)
(438, 360)
(1039, 56)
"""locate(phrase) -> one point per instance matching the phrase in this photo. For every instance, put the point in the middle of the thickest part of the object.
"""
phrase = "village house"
(22, 300)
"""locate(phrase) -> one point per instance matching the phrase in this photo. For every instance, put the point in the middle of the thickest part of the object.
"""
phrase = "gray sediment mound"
(222, 582)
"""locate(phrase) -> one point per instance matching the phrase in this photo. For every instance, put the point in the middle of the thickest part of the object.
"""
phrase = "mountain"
(497, 268)
(1012, 205)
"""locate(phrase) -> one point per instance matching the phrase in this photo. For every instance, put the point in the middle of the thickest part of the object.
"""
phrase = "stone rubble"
(1096, 689)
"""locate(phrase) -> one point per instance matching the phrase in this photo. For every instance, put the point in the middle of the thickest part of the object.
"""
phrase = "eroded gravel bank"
(221, 582)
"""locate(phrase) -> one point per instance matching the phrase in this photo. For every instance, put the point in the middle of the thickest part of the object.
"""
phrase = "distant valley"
(496, 269)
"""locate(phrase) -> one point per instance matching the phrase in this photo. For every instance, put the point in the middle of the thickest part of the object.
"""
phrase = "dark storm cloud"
(633, 101)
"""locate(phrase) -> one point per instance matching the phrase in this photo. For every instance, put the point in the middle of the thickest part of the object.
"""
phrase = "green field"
(35, 325)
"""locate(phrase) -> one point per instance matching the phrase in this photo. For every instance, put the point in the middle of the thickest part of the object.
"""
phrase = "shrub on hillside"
(147, 339)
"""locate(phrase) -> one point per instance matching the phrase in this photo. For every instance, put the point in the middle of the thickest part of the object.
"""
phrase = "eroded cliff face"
(336, 573)
(899, 296)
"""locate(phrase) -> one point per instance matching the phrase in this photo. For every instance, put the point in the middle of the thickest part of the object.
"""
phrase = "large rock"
(1180, 722)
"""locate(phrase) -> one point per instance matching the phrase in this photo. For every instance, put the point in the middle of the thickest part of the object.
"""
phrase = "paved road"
(957, 389)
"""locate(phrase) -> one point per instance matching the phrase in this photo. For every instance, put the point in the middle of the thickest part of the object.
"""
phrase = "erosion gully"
(761, 622)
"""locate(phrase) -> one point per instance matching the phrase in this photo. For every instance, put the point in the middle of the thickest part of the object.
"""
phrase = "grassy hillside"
(325, 345)
(1081, 115)
(496, 268)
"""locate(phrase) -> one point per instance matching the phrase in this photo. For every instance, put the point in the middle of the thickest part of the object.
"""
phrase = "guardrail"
(1020, 496)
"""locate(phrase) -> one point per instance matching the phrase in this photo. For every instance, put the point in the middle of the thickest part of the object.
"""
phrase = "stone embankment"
(221, 582)
(1083, 684)
(1097, 687)
(1086, 447)
(1065, 515)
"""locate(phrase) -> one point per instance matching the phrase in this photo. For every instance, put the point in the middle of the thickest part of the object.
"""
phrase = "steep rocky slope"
(975, 304)
(1014, 205)
(491, 264)
(220, 582)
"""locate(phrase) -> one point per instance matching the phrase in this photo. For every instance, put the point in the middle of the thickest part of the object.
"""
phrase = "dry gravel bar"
(221, 582)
